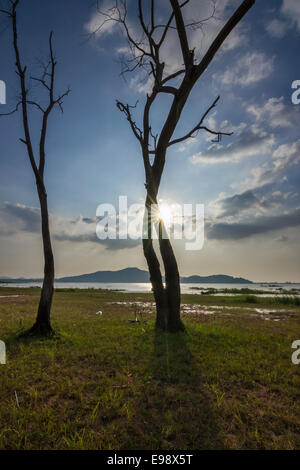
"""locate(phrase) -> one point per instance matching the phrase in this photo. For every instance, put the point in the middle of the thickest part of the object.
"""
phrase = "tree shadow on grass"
(177, 407)
(171, 360)
(21, 337)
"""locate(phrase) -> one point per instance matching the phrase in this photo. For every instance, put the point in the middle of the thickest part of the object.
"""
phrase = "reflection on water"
(146, 287)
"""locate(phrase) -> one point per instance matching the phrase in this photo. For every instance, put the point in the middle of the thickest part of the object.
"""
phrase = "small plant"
(250, 299)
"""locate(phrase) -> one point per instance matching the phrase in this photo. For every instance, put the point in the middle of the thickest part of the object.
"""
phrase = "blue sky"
(249, 182)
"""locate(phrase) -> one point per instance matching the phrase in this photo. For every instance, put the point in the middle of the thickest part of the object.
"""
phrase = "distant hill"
(137, 275)
(215, 279)
(124, 275)
(19, 280)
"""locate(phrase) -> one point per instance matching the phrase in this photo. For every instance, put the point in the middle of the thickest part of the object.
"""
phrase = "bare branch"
(37, 105)
(52, 103)
(5, 12)
(51, 79)
(154, 137)
(141, 18)
(21, 71)
(152, 15)
(126, 110)
(52, 73)
(166, 29)
(172, 76)
(47, 80)
(13, 111)
(224, 33)
(199, 127)
(181, 30)
(145, 52)
(59, 100)
(115, 14)
(166, 89)
(40, 80)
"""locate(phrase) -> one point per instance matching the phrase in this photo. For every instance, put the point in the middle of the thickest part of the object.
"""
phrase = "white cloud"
(275, 113)
(283, 158)
(226, 126)
(99, 24)
(248, 143)
(282, 239)
(185, 145)
(249, 202)
(141, 84)
(246, 202)
(254, 226)
(291, 8)
(212, 124)
(249, 69)
(286, 155)
(277, 28)
(237, 38)
(17, 218)
(201, 38)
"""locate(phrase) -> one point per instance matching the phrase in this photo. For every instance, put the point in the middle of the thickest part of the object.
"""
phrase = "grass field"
(105, 382)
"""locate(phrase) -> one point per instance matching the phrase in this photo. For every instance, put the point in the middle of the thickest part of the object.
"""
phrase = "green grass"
(246, 290)
(227, 383)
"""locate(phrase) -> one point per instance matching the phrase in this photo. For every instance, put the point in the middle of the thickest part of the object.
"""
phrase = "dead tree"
(37, 159)
(145, 51)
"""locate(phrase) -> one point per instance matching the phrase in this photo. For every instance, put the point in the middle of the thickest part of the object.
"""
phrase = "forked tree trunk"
(42, 324)
(167, 298)
(172, 289)
(157, 285)
(153, 266)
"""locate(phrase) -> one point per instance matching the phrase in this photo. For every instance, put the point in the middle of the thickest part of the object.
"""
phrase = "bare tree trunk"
(157, 284)
(154, 267)
(167, 298)
(42, 324)
(172, 289)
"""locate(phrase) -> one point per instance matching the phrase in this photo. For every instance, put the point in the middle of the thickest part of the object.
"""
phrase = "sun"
(165, 213)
